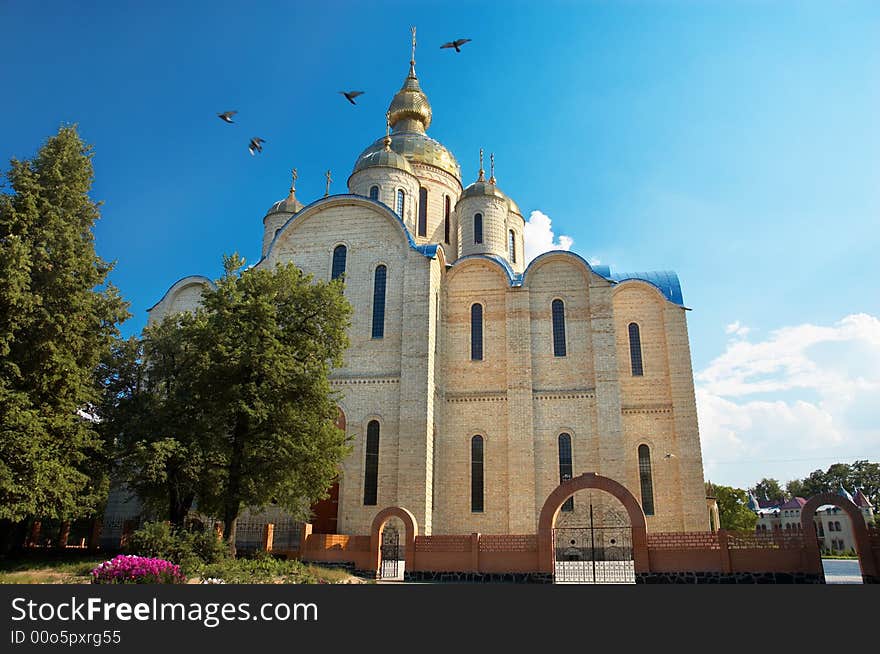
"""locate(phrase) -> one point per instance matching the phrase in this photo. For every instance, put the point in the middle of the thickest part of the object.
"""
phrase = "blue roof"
(665, 280)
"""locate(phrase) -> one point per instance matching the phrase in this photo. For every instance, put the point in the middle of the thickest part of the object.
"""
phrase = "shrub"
(190, 549)
(130, 569)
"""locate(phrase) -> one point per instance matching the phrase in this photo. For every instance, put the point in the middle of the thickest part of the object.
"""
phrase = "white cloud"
(539, 237)
(737, 329)
(594, 261)
(800, 399)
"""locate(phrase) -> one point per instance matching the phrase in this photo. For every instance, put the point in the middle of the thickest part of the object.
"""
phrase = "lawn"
(67, 568)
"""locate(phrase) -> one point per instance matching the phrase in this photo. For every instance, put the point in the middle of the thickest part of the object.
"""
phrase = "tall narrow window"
(511, 246)
(374, 192)
(477, 474)
(446, 221)
(478, 228)
(558, 328)
(400, 198)
(371, 464)
(379, 302)
(423, 211)
(635, 350)
(477, 332)
(338, 268)
(565, 467)
(645, 480)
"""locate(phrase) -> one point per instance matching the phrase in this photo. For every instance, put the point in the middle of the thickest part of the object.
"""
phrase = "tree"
(58, 317)
(151, 411)
(733, 508)
(769, 489)
(269, 338)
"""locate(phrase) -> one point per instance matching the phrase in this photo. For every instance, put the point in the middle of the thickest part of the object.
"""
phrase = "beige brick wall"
(430, 398)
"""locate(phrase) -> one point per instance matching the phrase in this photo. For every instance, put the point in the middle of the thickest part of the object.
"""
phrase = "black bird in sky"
(351, 95)
(227, 116)
(256, 145)
(455, 44)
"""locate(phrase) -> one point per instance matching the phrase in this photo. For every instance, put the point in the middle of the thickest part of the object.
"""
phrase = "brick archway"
(870, 572)
(587, 481)
(412, 530)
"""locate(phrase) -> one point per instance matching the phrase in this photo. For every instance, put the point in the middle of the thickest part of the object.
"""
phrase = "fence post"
(95, 535)
(475, 552)
(723, 543)
(268, 536)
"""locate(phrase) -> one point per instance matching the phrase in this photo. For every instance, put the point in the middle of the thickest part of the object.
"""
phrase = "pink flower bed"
(130, 569)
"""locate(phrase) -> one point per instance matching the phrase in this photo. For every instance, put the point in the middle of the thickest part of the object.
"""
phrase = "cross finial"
(481, 176)
(492, 168)
(387, 131)
(293, 181)
(329, 179)
(412, 59)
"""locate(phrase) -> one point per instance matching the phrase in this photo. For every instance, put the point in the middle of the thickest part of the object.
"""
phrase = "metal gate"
(599, 553)
(391, 555)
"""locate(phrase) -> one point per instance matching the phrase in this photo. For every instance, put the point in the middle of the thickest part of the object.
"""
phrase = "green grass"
(48, 568)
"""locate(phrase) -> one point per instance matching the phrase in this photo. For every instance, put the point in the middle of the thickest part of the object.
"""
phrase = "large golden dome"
(410, 115)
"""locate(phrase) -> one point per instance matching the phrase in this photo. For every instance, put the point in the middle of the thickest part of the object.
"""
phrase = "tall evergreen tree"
(58, 317)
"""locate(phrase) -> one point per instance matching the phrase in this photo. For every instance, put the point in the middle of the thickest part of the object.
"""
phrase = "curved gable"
(315, 209)
(183, 295)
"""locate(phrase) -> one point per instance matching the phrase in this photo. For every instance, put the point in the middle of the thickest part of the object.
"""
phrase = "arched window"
(635, 350)
(379, 280)
(338, 269)
(558, 310)
(477, 332)
(400, 198)
(565, 467)
(423, 211)
(836, 526)
(511, 246)
(371, 464)
(645, 480)
(374, 192)
(477, 474)
(446, 221)
(478, 228)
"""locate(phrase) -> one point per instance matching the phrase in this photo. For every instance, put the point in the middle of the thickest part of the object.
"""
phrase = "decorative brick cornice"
(479, 396)
(564, 394)
(646, 408)
(363, 379)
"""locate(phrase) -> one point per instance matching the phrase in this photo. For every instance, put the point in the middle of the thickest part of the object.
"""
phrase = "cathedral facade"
(476, 381)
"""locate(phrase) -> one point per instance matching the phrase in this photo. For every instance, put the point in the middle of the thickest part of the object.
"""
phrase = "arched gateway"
(547, 548)
(411, 527)
(870, 573)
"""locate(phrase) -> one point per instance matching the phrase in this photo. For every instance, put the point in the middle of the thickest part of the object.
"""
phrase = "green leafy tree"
(769, 489)
(151, 411)
(733, 508)
(58, 316)
(268, 339)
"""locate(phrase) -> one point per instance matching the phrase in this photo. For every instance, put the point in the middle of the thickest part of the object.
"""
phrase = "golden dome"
(410, 102)
(483, 189)
(514, 207)
(382, 158)
(415, 147)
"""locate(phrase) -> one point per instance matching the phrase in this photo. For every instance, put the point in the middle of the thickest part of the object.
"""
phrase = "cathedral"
(477, 381)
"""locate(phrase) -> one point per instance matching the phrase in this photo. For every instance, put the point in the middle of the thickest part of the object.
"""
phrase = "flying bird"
(351, 95)
(455, 44)
(256, 145)
(227, 116)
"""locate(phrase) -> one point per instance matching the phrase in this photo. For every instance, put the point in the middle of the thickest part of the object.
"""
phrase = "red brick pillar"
(34, 538)
(63, 534)
(268, 536)
(304, 534)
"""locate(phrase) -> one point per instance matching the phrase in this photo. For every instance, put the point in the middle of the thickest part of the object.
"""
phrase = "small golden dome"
(483, 189)
(514, 207)
(382, 158)
(410, 102)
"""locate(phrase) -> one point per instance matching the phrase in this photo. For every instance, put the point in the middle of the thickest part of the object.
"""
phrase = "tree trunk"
(232, 503)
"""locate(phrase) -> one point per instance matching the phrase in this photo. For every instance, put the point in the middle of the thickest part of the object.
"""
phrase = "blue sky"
(736, 143)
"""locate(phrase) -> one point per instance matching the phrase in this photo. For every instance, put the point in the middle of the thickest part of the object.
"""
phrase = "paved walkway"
(842, 571)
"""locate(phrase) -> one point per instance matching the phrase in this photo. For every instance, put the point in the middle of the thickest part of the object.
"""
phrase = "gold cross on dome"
(293, 180)
(412, 59)
(329, 179)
